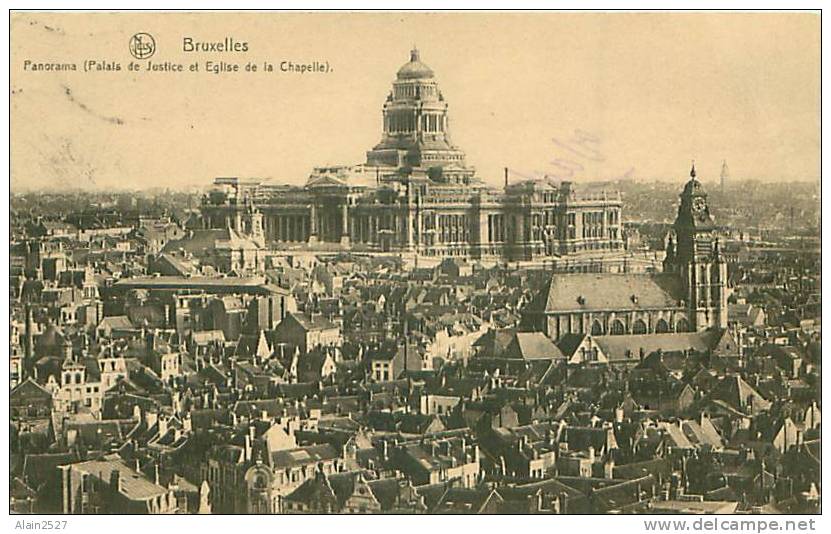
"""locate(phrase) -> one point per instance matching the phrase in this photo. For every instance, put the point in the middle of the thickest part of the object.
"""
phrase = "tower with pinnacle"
(696, 256)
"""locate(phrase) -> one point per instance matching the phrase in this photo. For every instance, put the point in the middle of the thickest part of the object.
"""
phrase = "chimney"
(150, 418)
(591, 453)
(156, 474)
(609, 468)
(506, 177)
(115, 479)
(248, 448)
(162, 425)
(29, 339)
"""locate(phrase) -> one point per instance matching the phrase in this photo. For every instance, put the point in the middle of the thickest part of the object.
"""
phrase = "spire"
(725, 173)
(414, 54)
(692, 170)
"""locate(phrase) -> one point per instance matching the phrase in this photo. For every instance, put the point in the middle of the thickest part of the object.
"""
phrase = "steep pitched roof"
(603, 291)
(739, 394)
(533, 346)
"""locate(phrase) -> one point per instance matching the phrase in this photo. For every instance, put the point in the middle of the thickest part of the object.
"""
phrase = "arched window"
(617, 328)
(661, 327)
(682, 325)
(639, 327)
(77, 378)
(597, 328)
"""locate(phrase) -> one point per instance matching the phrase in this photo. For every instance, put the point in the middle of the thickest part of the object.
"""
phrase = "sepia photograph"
(416, 262)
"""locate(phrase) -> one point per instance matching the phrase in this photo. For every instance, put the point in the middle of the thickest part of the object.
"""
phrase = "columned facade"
(416, 193)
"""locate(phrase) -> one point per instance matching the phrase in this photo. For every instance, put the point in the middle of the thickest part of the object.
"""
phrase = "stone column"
(420, 226)
(312, 224)
(344, 238)
(412, 221)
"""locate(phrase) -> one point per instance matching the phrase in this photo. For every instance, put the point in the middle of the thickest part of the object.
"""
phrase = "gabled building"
(689, 296)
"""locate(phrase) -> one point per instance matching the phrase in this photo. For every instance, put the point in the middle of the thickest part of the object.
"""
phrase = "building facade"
(416, 193)
(689, 296)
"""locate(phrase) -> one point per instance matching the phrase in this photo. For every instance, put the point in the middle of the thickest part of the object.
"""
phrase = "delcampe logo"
(142, 45)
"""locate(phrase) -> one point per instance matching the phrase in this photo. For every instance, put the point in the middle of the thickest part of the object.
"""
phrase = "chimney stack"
(115, 479)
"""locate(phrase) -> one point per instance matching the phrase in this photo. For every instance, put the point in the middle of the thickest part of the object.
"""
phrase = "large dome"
(414, 68)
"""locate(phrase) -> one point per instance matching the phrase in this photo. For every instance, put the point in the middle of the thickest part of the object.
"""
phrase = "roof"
(739, 394)
(616, 347)
(316, 489)
(414, 68)
(205, 337)
(230, 284)
(28, 388)
(133, 484)
(200, 241)
(303, 456)
(604, 291)
(316, 322)
(533, 346)
(116, 322)
(494, 341)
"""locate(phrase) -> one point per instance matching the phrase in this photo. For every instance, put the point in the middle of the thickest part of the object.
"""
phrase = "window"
(617, 328)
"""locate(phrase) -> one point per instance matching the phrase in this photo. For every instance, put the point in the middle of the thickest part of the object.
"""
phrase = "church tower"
(698, 260)
(725, 175)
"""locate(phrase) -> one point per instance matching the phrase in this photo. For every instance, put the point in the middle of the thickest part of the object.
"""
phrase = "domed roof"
(693, 187)
(414, 68)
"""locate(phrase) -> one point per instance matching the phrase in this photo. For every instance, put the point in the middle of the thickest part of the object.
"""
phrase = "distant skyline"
(581, 96)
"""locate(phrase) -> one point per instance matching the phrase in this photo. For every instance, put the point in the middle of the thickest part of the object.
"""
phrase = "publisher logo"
(142, 45)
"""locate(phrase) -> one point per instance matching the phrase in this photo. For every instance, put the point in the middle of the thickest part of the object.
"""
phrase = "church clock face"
(699, 205)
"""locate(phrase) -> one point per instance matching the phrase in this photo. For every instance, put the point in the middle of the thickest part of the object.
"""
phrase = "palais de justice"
(417, 194)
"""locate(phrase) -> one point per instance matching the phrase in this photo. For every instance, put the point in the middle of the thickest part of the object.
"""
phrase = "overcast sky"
(593, 96)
